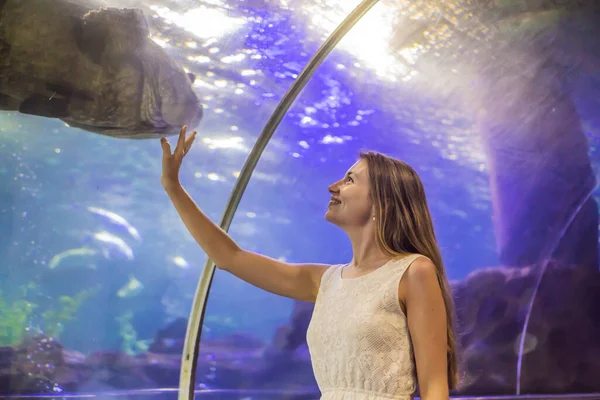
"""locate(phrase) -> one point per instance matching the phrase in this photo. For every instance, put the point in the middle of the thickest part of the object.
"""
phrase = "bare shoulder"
(422, 270)
(420, 280)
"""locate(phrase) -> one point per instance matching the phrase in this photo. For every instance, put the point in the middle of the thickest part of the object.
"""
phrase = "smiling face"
(351, 204)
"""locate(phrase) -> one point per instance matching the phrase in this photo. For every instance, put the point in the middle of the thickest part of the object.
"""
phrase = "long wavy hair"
(404, 225)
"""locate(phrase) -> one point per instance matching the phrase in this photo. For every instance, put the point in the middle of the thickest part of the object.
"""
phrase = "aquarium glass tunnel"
(105, 294)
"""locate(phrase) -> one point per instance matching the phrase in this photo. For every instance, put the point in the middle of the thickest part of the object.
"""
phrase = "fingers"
(164, 143)
(188, 142)
(183, 144)
(180, 149)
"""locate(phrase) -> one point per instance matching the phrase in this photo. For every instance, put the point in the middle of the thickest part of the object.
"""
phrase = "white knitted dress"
(358, 336)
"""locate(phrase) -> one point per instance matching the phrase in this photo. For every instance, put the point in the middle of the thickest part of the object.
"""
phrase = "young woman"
(382, 323)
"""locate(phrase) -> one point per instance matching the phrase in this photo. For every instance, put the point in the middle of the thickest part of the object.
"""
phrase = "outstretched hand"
(172, 162)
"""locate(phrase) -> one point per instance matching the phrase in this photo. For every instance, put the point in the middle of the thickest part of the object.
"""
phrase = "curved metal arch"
(192, 338)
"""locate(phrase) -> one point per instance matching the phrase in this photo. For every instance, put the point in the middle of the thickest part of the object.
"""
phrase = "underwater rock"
(287, 356)
(170, 339)
(95, 69)
(560, 351)
(39, 365)
(562, 342)
(119, 370)
(163, 369)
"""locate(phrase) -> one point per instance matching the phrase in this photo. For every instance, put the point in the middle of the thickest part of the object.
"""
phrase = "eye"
(349, 179)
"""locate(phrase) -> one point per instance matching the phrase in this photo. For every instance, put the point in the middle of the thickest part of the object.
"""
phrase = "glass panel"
(92, 302)
(484, 116)
(98, 273)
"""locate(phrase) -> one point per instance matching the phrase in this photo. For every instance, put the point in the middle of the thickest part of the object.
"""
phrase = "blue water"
(51, 174)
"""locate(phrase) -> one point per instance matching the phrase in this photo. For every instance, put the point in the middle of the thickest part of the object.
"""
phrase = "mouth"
(334, 202)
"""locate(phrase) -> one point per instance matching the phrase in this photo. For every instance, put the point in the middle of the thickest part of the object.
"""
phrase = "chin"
(330, 218)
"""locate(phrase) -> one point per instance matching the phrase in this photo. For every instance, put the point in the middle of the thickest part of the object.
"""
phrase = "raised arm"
(297, 281)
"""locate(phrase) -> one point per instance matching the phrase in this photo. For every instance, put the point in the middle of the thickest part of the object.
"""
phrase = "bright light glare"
(203, 21)
(367, 40)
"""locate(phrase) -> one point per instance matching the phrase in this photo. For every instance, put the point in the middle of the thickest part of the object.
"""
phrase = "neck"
(366, 253)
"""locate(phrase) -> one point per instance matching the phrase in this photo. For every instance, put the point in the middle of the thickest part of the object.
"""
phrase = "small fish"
(116, 220)
(131, 288)
(111, 244)
(61, 258)
(180, 262)
(529, 343)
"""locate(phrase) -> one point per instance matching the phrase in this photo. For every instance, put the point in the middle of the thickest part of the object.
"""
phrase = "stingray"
(96, 69)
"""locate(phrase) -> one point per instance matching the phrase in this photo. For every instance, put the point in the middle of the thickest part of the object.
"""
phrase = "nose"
(334, 188)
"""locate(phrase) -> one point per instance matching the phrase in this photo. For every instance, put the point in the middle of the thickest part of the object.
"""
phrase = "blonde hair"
(404, 225)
